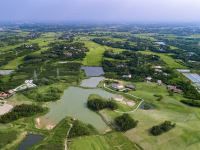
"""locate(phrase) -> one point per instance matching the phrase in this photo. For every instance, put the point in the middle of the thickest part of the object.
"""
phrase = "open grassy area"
(111, 141)
(7, 137)
(186, 134)
(95, 55)
(172, 63)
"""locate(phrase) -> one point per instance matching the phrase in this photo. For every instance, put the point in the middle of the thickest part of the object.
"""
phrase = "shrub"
(159, 129)
(193, 103)
(80, 129)
(21, 111)
(125, 122)
(96, 103)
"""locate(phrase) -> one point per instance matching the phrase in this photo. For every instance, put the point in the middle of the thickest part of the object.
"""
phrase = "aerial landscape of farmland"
(104, 84)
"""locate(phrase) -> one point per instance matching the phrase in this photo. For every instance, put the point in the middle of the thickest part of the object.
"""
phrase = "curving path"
(142, 100)
(71, 125)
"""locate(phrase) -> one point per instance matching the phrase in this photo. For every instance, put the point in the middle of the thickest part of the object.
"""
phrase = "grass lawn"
(186, 134)
(95, 55)
(172, 63)
(111, 141)
(7, 137)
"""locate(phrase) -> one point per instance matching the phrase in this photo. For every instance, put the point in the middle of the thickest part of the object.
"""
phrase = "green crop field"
(95, 55)
(172, 63)
(111, 141)
(186, 134)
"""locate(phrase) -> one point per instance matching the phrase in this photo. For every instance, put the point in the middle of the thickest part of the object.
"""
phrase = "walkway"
(142, 100)
(71, 125)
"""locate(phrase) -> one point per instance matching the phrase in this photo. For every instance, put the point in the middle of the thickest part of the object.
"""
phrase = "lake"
(91, 82)
(29, 141)
(93, 71)
(73, 103)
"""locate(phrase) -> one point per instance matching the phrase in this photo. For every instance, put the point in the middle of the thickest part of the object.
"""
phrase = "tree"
(125, 122)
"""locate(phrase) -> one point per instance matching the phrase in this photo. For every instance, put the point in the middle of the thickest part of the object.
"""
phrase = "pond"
(73, 103)
(93, 71)
(30, 140)
(5, 72)
(91, 82)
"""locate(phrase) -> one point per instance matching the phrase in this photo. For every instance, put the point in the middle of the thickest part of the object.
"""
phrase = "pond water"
(91, 82)
(93, 71)
(73, 103)
(29, 141)
(5, 72)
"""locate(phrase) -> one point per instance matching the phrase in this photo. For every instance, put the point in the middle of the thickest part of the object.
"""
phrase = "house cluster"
(174, 89)
(27, 84)
(149, 79)
(122, 87)
(5, 95)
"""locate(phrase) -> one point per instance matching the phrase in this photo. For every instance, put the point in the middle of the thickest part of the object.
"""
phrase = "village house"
(117, 86)
(148, 79)
(130, 87)
(127, 76)
(157, 67)
(3, 95)
(159, 82)
(174, 89)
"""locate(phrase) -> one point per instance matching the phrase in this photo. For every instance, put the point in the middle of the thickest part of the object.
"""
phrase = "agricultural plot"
(111, 141)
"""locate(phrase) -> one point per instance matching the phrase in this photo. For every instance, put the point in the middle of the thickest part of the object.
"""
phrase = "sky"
(100, 10)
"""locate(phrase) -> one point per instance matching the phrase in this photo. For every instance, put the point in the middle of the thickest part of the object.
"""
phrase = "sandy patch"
(5, 108)
(44, 124)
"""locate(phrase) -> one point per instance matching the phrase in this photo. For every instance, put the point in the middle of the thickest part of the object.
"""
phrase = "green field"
(172, 63)
(111, 141)
(95, 55)
(186, 134)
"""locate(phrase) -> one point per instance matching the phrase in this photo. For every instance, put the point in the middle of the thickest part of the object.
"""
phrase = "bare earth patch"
(5, 108)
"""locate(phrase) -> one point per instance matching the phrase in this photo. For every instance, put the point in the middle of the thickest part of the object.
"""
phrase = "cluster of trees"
(118, 44)
(125, 122)
(52, 94)
(162, 128)
(21, 111)
(66, 50)
(139, 44)
(81, 129)
(128, 62)
(193, 103)
(189, 90)
(96, 103)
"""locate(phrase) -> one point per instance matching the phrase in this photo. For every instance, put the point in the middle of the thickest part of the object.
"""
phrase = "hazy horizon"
(142, 11)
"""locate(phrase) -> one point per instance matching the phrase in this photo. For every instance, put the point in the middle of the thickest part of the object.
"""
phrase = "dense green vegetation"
(108, 141)
(7, 137)
(21, 111)
(193, 103)
(51, 94)
(55, 140)
(125, 122)
(96, 103)
(81, 129)
(162, 128)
